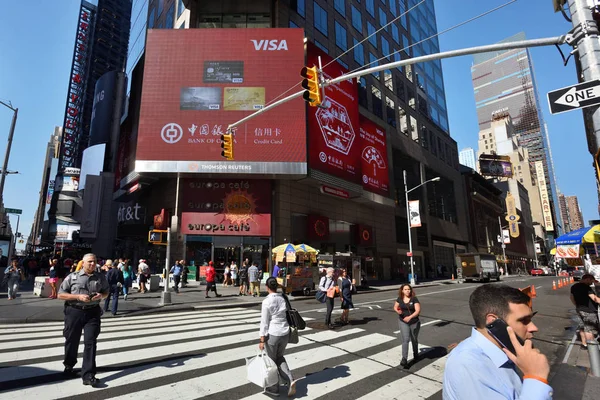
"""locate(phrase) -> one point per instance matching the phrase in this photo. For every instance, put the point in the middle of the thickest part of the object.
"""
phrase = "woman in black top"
(345, 285)
(408, 308)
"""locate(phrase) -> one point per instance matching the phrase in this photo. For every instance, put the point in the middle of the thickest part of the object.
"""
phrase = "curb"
(192, 307)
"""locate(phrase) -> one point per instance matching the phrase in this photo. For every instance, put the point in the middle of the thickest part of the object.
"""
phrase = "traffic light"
(157, 236)
(311, 83)
(227, 146)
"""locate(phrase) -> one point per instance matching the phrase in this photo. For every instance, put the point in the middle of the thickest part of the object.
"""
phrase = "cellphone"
(92, 295)
(498, 331)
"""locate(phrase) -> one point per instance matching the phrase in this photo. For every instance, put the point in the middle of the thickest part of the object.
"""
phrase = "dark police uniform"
(82, 316)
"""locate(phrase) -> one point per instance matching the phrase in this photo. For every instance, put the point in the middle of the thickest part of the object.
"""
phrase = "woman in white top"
(274, 331)
(325, 284)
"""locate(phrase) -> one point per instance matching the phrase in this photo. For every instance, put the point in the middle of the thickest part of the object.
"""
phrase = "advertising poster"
(198, 81)
(374, 167)
(415, 214)
(334, 129)
(498, 168)
(544, 197)
(567, 251)
(226, 207)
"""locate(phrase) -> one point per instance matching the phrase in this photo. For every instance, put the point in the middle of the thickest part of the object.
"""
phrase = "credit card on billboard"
(223, 71)
(200, 98)
(243, 98)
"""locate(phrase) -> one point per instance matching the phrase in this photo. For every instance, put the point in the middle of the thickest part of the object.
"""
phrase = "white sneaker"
(292, 389)
(125, 297)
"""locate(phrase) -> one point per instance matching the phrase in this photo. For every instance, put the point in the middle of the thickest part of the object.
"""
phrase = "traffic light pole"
(7, 154)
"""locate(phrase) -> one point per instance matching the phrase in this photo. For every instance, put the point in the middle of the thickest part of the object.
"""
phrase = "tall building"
(575, 215)
(101, 43)
(338, 206)
(467, 157)
(564, 213)
(504, 80)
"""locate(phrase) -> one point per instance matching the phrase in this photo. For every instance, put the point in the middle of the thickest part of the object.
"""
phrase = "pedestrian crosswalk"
(201, 354)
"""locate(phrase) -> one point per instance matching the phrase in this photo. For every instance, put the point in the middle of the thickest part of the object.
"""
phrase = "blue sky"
(572, 161)
(36, 58)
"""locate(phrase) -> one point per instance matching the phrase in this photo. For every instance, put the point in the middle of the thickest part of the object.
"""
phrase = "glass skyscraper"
(504, 81)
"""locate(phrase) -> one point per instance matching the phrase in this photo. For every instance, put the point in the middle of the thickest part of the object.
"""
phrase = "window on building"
(395, 33)
(400, 89)
(405, 44)
(342, 63)
(161, 5)
(357, 20)
(403, 13)
(377, 102)
(413, 130)
(322, 46)
(180, 8)
(340, 6)
(151, 18)
(397, 58)
(359, 53)
(170, 18)
(403, 120)
(390, 111)
(370, 4)
(385, 47)
(432, 141)
(411, 98)
(320, 19)
(424, 137)
(409, 73)
(293, 25)
(362, 92)
(393, 9)
(383, 19)
(341, 38)
(299, 6)
(373, 63)
(388, 79)
(371, 31)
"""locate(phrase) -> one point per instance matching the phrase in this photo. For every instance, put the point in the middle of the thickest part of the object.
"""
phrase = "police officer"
(82, 291)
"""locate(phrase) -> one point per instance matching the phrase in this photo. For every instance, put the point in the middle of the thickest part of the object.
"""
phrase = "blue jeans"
(127, 285)
(114, 292)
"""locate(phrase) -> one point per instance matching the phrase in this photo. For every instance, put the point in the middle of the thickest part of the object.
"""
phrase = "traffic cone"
(452, 276)
(572, 280)
(559, 283)
(553, 285)
(533, 293)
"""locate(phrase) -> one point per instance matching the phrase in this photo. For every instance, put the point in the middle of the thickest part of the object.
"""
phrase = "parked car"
(537, 272)
(577, 273)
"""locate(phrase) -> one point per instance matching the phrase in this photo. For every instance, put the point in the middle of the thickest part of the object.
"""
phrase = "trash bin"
(153, 284)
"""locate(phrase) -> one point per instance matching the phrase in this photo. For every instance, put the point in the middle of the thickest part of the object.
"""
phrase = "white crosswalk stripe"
(190, 355)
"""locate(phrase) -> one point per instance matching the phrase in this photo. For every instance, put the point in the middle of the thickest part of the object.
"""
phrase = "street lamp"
(406, 192)
(8, 146)
(503, 245)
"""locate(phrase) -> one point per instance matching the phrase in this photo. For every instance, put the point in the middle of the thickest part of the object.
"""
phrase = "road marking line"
(537, 287)
(435, 321)
(570, 348)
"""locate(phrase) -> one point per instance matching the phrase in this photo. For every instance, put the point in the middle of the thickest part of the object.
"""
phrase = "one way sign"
(583, 95)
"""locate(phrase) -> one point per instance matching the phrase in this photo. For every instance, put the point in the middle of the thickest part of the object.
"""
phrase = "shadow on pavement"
(326, 375)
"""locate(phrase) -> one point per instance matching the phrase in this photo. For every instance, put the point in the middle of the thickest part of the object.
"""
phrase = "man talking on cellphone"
(481, 367)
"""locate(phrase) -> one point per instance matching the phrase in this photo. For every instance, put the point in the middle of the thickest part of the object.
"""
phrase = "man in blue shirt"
(480, 368)
(176, 270)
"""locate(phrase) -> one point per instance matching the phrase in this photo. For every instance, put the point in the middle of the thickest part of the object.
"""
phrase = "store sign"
(365, 235)
(335, 192)
(226, 207)
(318, 228)
(214, 77)
(511, 216)
(567, 251)
(73, 124)
(544, 198)
(131, 213)
(64, 233)
(374, 167)
(333, 130)
(414, 213)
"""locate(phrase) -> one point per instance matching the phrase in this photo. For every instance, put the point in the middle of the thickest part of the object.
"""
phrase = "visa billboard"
(198, 81)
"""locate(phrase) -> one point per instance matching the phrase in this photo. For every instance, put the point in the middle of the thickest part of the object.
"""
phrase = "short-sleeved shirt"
(581, 292)
(253, 273)
(52, 273)
(210, 274)
(81, 283)
(408, 308)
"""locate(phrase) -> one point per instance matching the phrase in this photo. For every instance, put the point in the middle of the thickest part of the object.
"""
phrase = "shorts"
(53, 280)
(589, 321)
(143, 278)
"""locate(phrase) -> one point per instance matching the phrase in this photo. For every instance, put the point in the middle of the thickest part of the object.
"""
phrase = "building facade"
(467, 158)
(504, 80)
(334, 214)
(564, 213)
(574, 213)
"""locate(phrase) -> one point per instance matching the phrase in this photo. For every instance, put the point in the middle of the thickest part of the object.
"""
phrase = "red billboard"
(226, 207)
(198, 81)
(374, 161)
(334, 129)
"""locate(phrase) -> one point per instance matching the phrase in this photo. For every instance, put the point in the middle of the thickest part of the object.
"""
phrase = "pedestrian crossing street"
(201, 354)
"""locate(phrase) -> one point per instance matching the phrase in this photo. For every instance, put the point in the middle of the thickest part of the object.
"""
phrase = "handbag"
(293, 317)
(261, 370)
(293, 335)
(321, 296)
(331, 292)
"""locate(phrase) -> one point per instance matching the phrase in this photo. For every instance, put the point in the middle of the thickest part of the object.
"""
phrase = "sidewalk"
(30, 308)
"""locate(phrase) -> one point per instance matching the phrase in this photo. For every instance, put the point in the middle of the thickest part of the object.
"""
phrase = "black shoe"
(404, 363)
(69, 372)
(93, 382)
(207, 297)
(331, 326)
(218, 295)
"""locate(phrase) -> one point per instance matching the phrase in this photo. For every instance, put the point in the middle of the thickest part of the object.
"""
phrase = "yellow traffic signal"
(227, 146)
(311, 83)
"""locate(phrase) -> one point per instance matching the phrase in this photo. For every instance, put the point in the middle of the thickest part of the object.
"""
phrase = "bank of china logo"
(171, 133)
(322, 156)
(365, 179)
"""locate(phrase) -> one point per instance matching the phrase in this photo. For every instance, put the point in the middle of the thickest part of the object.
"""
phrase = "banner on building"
(498, 168)
(544, 198)
(512, 217)
(373, 148)
(414, 213)
(567, 251)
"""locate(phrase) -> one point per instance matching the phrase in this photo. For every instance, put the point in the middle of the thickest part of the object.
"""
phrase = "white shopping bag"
(262, 371)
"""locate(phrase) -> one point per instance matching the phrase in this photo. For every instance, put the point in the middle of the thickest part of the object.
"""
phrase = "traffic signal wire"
(436, 35)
